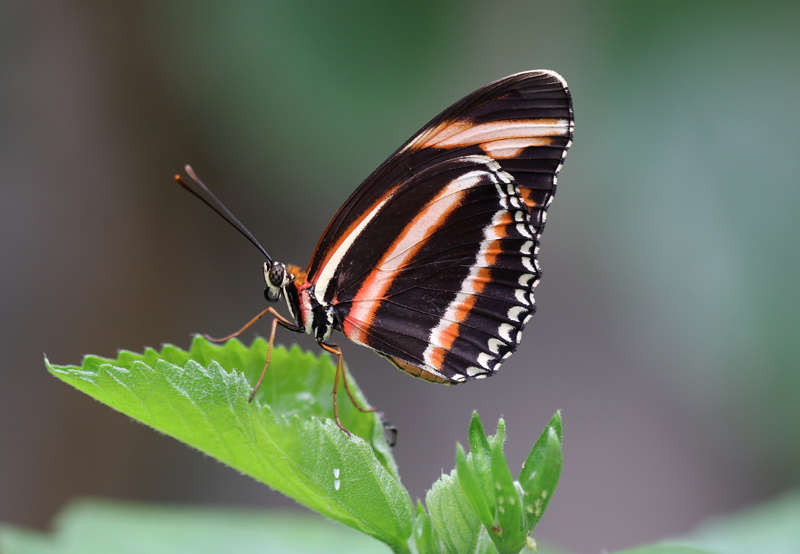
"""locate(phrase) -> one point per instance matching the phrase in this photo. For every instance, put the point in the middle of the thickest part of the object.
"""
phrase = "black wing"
(449, 226)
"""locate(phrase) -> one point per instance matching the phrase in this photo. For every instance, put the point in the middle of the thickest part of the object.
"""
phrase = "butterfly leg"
(278, 320)
(246, 327)
(335, 404)
(349, 392)
(334, 349)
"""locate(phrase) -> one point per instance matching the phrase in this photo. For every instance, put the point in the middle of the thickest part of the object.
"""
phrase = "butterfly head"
(276, 278)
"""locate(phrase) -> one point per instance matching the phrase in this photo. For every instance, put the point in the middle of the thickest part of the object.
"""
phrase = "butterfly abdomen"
(418, 372)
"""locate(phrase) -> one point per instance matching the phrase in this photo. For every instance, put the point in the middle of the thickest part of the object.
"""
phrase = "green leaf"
(454, 520)
(540, 473)
(485, 544)
(473, 488)
(105, 527)
(507, 509)
(285, 438)
(481, 458)
(509, 536)
(769, 528)
(425, 538)
(500, 436)
(534, 459)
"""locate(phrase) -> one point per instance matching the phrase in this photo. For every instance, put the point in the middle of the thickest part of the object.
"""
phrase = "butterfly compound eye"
(275, 277)
(277, 274)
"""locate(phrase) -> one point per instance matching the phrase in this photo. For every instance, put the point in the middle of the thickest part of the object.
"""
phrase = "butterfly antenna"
(222, 211)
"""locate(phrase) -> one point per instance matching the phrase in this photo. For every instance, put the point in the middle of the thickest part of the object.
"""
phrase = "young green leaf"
(500, 436)
(473, 487)
(481, 458)
(425, 538)
(507, 509)
(509, 536)
(454, 520)
(534, 459)
(285, 438)
(485, 544)
(540, 473)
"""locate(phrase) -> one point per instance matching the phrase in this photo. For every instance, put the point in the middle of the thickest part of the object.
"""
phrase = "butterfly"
(432, 261)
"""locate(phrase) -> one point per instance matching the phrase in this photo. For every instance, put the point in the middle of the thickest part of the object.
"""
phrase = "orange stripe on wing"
(327, 269)
(481, 280)
(444, 335)
(529, 199)
(460, 133)
(494, 249)
(513, 147)
(448, 335)
(499, 225)
(401, 251)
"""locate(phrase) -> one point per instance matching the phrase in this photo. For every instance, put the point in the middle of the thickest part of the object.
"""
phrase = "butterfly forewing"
(540, 98)
(432, 261)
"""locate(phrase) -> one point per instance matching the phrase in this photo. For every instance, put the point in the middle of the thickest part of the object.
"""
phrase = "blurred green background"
(668, 327)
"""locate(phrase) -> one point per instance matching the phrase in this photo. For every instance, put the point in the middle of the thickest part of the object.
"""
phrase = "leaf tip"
(475, 420)
(500, 436)
(556, 424)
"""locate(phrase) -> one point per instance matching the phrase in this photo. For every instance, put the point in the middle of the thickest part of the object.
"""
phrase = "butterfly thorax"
(311, 316)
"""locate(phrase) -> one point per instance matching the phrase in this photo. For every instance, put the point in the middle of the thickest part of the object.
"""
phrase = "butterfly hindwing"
(454, 304)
